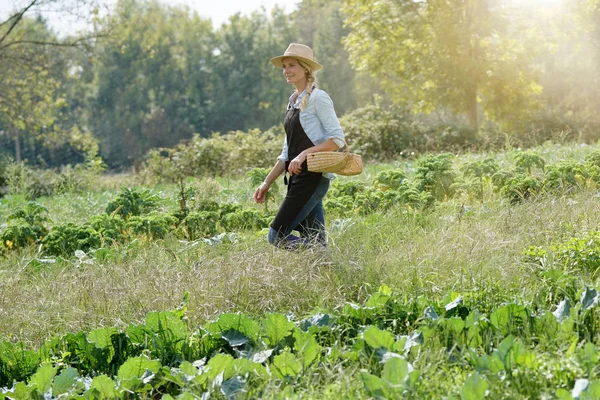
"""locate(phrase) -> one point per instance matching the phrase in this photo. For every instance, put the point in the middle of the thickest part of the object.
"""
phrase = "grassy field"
(473, 251)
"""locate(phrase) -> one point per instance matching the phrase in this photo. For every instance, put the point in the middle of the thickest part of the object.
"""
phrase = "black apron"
(300, 186)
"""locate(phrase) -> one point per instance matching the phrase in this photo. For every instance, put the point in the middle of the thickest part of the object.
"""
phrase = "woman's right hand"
(261, 193)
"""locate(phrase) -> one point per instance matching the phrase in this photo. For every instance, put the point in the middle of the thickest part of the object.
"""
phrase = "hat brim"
(278, 62)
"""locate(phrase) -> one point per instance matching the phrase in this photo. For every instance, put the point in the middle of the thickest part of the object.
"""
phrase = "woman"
(311, 125)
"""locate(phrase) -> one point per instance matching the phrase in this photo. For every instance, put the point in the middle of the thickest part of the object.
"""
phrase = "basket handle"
(346, 147)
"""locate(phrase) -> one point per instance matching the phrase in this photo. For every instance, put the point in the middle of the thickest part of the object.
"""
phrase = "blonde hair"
(311, 83)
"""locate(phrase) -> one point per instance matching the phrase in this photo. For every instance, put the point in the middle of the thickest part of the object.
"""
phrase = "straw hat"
(299, 51)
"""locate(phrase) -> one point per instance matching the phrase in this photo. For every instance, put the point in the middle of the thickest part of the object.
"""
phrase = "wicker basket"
(339, 162)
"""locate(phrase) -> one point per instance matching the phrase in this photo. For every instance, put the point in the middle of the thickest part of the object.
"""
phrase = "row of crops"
(393, 346)
(135, 212)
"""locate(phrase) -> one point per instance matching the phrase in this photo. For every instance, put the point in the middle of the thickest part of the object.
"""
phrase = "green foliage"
(152, 226)
(519, 187)
(245, 220)
(257, 176)
(379, 133)
(566, 174)
(580, 252)
(464, 47)
(64, 240)
(389, 341)
(25, 226)
(132, 202)
(528, 160)
(201, 224)
(109, 227)
(434, 174)
(390, 180)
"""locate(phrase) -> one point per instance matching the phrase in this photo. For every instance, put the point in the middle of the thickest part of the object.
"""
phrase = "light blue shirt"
(318, 121)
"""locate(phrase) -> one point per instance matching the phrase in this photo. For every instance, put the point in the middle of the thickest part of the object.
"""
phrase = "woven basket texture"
(343, 163)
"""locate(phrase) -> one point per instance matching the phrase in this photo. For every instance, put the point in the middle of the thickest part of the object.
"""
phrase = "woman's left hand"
(296, 164)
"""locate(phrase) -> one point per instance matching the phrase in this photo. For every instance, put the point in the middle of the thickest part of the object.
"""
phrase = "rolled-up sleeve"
(326, 114)
(284, 152)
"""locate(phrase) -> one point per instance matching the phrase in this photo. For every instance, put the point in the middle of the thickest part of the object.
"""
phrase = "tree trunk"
(17, 148)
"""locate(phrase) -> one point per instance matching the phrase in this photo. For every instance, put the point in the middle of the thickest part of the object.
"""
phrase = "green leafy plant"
(434, 173)
(132, 202)
(528, 160)
(64, 240)
(255, 177)
(25, 226)
(152, 226)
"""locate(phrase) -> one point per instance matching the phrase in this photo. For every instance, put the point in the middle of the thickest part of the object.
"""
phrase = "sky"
(217, 10)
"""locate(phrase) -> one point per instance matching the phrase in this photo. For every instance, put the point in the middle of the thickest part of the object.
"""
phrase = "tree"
(458, 54)
(30, 102)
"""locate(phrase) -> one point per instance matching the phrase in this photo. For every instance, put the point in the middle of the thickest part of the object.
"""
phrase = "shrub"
(132, 202)
(529, 159)
(200, 224)
(520, 186)
(389, 180)
(435, 175)
(566, 174)
(153, 226)
(25, 226)
(349, 188)
(29, 182)
(244, 220)
(380, 133)
(582, 252)
(109, 227)
(64, 240)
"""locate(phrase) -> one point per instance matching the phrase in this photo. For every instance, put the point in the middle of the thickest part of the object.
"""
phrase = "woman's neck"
(300, 86)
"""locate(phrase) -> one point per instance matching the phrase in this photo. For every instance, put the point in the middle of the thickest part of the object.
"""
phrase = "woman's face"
(293, 71)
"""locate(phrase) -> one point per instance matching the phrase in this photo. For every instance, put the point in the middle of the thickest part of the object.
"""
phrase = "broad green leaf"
(593, 390)
(134, 369)
(455, 325)
(221, 363)
(377, 299)
(318, 320)
(23, 392)
(244, 367)
(373, 385)
(101, 338)
(504, 351)
(233, 387)
(65, 381)
(276, 327)
(286, 365)
(42, 379)
(563, 394)
(591, 353)
(396, 370)
(168, 327)
(188, 368)
(237, 322)
(563, 311)
(105, 386)
(185, 396)
(306, 347)
(589, 298)
(377, 338)
(474, 388)
(508, 317)
(234, 338)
